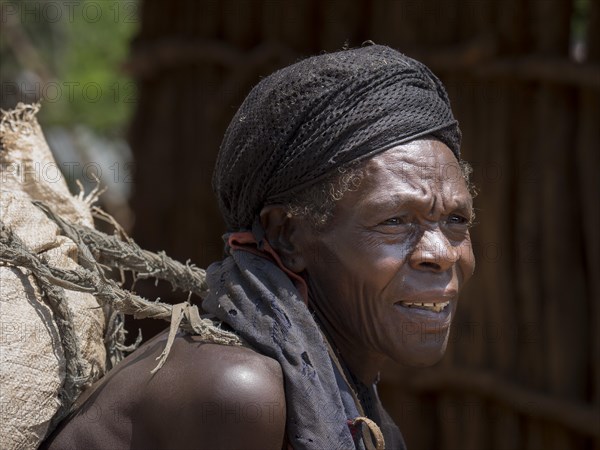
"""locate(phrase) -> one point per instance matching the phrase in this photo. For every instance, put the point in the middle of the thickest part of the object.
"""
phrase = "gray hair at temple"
(305, 130)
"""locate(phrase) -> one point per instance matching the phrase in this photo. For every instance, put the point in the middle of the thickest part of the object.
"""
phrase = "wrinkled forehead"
(420, 165)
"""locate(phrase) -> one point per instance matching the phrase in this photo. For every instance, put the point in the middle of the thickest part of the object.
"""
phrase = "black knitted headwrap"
(324, 112)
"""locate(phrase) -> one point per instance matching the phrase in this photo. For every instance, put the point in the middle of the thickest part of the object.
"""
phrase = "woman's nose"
(434, 252)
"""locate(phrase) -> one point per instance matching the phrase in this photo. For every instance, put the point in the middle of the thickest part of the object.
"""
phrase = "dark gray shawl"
(257, 299)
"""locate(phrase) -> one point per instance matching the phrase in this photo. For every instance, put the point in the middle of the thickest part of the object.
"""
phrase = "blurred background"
(139, 93)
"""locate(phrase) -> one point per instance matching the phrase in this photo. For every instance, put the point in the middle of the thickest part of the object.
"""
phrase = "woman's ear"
(283, 231)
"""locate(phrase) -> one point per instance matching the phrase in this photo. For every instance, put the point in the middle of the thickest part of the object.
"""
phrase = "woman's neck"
(364, 365)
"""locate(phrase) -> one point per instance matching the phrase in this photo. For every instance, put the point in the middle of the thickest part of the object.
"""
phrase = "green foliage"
(69, 55)
(579, 19)
(95, 90)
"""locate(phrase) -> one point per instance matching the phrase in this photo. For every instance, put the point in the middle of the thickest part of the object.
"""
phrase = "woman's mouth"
(433, 316)
(433, 306)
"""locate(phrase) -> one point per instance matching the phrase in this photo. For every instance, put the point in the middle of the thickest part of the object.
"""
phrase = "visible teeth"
(437, 307)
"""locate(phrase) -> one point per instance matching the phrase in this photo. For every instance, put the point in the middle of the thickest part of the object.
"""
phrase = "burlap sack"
(32, 359)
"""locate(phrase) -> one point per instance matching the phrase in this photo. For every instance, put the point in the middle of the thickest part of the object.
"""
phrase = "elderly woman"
(348, 214)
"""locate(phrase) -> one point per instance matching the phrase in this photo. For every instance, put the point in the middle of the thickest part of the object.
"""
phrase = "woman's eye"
(457, 219)
(394, 221)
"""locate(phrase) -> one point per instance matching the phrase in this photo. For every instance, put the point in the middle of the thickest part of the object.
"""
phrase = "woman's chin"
(424, 351)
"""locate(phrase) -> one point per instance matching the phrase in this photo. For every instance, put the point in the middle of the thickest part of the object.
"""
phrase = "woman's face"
(386, 271)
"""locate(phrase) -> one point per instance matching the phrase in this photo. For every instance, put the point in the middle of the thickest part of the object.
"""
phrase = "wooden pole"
(570, 414)
(588, 158)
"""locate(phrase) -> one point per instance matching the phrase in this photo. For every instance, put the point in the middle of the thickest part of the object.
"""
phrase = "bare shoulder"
(205, 396)
(231, 395)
